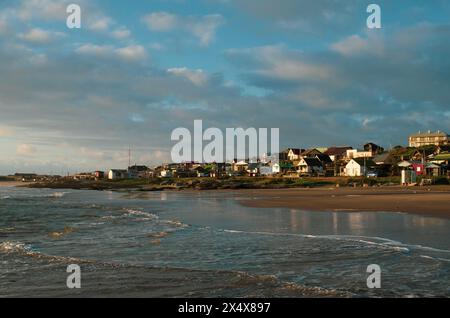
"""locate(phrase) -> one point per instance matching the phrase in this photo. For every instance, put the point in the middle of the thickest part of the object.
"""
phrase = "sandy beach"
(12, 183)
(430, 201)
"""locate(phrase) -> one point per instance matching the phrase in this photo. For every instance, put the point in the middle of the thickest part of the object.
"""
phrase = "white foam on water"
(141, 214)
(374, 241)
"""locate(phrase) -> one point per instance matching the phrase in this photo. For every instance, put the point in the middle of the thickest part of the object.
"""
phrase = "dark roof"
(337, 151)
(312, 151)
(313, 162)
(381, 158)
(367, 162)
(138, 168)
(324, 158)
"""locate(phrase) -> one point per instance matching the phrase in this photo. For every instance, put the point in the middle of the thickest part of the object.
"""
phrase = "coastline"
(311, 195)
(13, 183)
(430, 201)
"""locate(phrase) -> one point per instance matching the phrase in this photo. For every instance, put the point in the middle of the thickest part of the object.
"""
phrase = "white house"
(276, 168)
(117, 174)
(359, 167)
(294, 154)
(269, 169)
(166, 173)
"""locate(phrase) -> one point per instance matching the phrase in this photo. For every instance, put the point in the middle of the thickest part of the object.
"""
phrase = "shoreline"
(13, 183)
(430, 201)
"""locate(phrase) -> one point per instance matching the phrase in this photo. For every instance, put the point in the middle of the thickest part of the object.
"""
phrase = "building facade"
(420, 139)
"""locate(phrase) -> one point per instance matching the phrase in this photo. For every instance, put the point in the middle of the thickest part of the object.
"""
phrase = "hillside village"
(427, 155)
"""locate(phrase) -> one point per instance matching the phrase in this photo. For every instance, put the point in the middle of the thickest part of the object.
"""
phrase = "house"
(337, 153)
(219, 170)
(373, 148)
(355, 154)
(166, 173)
(99, 175)
(25, 176)
(294, 154)
(276, 168)
(202, 172)
(386, 163)
(418, 167)
(135, 172)
(325, 159)
(358, 167)
(429, 138)
(310, 167)
(240, 166)
(432, 169)
(327, 164)
(117, 174)
(266, 170)
(253, 169)
(443, 160)
(310, 153)
(84, 176)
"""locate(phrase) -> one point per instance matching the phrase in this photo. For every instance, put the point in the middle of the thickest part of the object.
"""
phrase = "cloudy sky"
(73, 100)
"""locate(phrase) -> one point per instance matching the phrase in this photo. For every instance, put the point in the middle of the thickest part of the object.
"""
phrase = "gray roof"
(429, 134)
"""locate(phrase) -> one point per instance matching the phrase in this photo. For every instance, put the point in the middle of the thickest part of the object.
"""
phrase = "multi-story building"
(420, 139)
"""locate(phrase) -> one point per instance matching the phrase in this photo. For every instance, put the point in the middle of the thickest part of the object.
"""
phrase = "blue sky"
(74, 100)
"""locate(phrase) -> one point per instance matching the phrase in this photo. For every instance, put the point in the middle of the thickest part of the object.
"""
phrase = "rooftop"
(429, 134)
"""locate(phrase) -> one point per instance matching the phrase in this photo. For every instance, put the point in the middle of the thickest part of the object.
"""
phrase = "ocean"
(205, 244)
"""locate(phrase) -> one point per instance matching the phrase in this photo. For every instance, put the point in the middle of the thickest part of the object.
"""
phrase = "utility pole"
(129, 156)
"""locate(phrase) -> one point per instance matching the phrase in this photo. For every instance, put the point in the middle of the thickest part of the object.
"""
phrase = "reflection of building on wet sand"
(417, 221)
(338, 222)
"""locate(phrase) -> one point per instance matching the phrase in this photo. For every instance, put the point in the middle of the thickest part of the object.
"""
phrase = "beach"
(12, 183)
(429, 201)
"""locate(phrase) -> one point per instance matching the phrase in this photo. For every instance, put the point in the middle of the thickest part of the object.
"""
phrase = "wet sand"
(13, 183)
(429, 201)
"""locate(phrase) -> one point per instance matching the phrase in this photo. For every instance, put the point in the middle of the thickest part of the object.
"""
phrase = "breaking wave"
(373, 241)
(22, 249)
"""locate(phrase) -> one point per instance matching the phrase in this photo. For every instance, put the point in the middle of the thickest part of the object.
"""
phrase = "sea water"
(206, 244)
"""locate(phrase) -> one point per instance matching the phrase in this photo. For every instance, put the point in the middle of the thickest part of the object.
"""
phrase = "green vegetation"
(230, 183)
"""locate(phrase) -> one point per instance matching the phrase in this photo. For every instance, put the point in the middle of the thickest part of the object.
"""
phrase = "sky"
(75, 100)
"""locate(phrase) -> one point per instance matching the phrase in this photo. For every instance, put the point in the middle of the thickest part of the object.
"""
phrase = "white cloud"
(25, 149)
(131, 53)
(204, 28)
(156, 46)
(161, 21)
(197, 77)
(44, 9)
(95, 50)
(278, 63)
(40, 36)
(100, 24)
(355, 45)
(121, 33)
